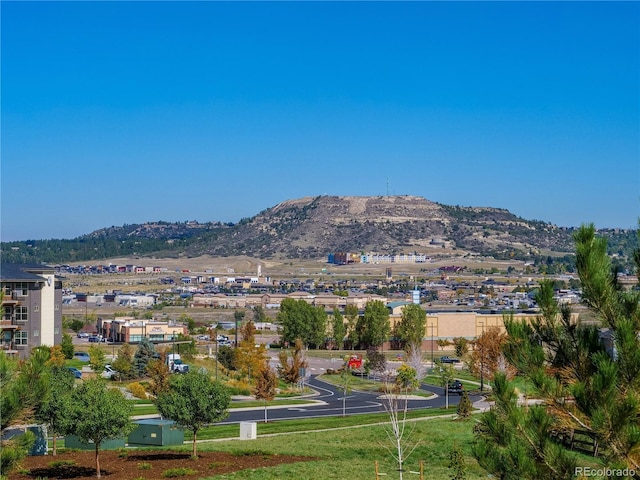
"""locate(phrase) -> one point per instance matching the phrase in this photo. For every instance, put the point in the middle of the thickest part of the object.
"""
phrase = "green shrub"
(178, 472)
(144, 466)
(61, 463)
(14, 450)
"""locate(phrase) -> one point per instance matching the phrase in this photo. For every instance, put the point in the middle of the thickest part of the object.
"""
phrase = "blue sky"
(125, 112)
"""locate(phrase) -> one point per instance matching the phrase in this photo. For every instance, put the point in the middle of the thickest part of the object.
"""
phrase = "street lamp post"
(481, 360)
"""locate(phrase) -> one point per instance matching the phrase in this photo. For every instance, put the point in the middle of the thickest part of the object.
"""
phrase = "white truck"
(174, 362)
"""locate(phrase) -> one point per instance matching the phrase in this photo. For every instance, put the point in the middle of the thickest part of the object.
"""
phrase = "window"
(156, 338)
(21, 314)
(21, 338)
(135, 338)
(21, 289)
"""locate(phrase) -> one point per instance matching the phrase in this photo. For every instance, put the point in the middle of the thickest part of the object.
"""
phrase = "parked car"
(82, 356)
(455, 387)
(83, 335)
(94, 338)
(76, 373)
(447, 359)
(109, 372)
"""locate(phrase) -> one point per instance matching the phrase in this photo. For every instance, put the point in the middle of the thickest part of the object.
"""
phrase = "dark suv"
(456, 387)
(447, 359)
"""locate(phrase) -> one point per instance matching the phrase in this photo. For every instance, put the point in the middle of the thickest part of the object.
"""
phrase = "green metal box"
(156, 432)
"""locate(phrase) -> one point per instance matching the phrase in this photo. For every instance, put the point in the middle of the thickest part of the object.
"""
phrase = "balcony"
(9, 324)
(9, 349)
(12, 299)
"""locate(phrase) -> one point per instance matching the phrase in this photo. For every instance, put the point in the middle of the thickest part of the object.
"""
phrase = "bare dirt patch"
(144, 464)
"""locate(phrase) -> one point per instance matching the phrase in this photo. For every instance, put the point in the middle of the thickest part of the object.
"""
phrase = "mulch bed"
(143, 464)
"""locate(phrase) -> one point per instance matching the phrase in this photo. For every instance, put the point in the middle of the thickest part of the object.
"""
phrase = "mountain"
(312, 227)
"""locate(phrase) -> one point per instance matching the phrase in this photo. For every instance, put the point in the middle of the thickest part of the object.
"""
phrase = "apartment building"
(31, 308)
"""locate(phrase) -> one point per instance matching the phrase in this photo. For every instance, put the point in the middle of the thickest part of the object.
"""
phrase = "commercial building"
(133, 330)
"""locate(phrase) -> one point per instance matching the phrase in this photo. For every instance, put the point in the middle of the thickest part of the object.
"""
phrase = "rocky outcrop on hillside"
(311, 227)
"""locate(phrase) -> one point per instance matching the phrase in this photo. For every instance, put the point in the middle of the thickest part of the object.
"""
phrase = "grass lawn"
(302, 425)
(350, 453)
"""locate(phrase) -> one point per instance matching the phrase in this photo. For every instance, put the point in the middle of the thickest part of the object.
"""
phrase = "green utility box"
(72, 441)
(156, 432)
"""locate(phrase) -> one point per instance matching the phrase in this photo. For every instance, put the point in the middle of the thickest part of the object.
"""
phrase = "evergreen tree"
(227, 357)
(144, 354)
(67, 346)
(588, 375)
(464, 406)
(457, 464)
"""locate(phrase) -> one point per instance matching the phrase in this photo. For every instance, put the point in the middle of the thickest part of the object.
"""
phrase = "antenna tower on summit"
(387, 186)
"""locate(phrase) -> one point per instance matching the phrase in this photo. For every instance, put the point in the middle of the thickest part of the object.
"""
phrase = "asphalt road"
(331, 398)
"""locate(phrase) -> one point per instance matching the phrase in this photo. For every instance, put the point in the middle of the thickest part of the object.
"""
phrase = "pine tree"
(456, 464)
(144, 354)
(464, 406)
(588, 375)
